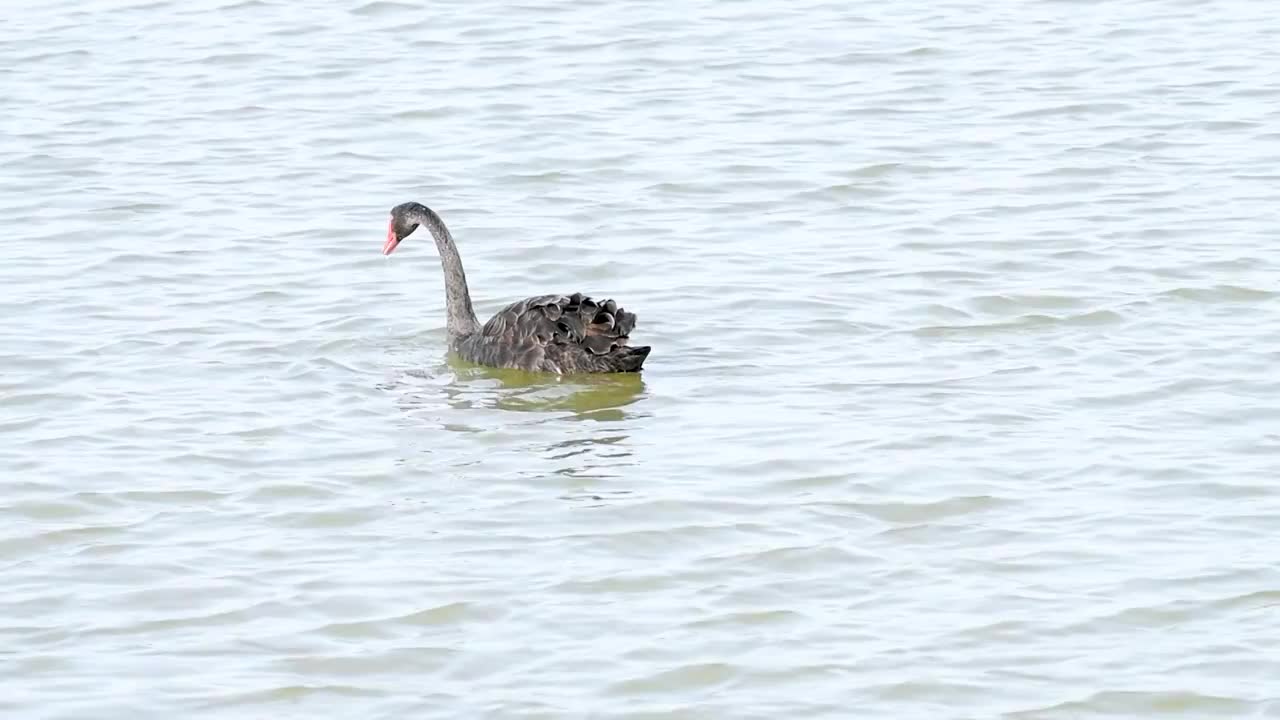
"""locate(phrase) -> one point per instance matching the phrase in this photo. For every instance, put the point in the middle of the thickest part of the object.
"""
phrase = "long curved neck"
(462, 318)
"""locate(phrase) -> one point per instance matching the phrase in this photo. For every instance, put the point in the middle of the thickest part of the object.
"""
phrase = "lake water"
(962, 403)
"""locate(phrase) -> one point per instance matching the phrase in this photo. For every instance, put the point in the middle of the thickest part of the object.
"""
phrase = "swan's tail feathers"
(631, 359)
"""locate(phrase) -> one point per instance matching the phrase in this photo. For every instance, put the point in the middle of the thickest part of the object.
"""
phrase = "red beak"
(392, 240)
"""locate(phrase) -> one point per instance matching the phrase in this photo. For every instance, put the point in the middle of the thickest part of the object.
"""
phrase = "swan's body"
(548, 333)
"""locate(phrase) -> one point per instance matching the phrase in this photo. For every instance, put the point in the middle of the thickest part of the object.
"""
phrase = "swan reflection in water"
(575, 428)
(584, 397)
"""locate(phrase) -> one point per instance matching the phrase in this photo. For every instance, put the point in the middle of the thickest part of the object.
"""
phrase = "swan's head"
(405, 218)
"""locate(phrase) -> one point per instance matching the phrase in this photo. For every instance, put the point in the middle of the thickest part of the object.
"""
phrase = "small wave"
(686, 677)
(1024, 323)
(1220, 294)
(1147, 703)
(386, 7)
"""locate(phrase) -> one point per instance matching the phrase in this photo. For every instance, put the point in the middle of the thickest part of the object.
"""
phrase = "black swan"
(561, 334)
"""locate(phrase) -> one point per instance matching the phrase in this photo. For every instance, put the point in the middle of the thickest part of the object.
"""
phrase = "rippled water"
(962, 400)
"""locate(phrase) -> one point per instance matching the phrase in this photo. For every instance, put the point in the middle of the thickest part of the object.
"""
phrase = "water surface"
(962, 400)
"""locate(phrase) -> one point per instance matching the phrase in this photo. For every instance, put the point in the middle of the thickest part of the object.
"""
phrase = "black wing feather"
(558, 333)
